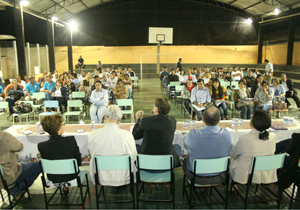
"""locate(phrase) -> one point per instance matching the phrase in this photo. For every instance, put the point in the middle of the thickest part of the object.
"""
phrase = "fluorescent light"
(72, 25)
(249, 20)
(277, 11)
(54, 18)
(24, 2)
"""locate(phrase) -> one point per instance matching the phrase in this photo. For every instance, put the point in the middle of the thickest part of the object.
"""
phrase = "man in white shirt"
(269, 71)
(112, 141)
(236, 75)
(99, 99)
(21, 82)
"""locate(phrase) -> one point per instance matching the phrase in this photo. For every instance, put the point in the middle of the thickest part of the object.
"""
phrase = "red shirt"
(190, 88)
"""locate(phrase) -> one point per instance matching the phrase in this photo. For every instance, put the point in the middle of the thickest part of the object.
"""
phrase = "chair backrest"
(124, 102)
(207, 166)
(174, 83)
(134, 78)
(75, 103)
(78, 94)
(270, 162)
(51, 104)
(221, 80)
(178, 88)
(111, 163)
(225, 84)
(59, 167)
(3, 105)
(38, 95)
(235, 84)
(155, 162)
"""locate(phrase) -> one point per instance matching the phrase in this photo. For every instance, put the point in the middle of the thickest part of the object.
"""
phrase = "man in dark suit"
(289, 90)
(157, 131)
(179, 64)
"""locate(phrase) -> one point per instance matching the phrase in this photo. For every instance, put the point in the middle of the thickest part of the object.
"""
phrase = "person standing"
(179, 64)
(289, 90)
(99, 99)
(269, 71)
(157, 131)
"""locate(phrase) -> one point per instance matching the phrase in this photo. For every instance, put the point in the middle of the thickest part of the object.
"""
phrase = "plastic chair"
(4, 105)
(76, 95)
(135, 82)
(235, 84)
(226, 84)
(8, 189)
(163, 163)
(262, 163)
(207, 166)
(178, 98)
(126, 102)
(49, 104)
(66, 166)
(112, 163)
(74, 104)
(291, 194)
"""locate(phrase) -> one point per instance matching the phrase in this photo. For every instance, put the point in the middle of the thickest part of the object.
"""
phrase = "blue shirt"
(95, 97)
(201, 96)
(47, 86)
(75, 81)
(1, 90)
(279, 90)
(32, 88)
(207, 143)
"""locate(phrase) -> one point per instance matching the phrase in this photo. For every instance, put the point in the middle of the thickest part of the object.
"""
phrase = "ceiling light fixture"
(24, 2)
(249, 20)
(72, 25)
(277, 11)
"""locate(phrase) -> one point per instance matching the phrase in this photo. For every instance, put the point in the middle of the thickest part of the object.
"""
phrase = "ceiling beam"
(251, 6)
(84, 4)
(232, 2)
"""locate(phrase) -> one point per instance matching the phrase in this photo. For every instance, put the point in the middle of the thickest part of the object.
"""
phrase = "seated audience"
(97, 78)
(207, 143)
(171, 78)
(1, 93)
(15, 95)
(31, 87)
(59, 93)
(96, 72)
(75, 80)
(84, 87)
(99, 66)
(241, 94)
(186, 95)
(177, 72)
(250, 79)
(227, 74)
(220, 98)
(157, 131)
(181, 77)
(130, 72)
(256, 85)
(104, 81)
(289, 90)
(120, 90)
(128, 82)
(80, 64)
(112, 141)
(21, 82)
(278, 89)
(90, 79)
(236, 75)
(209, 85)
(55, 77)
(213, 73)
(99, 100)
(122, 75)
(189, 73)
(200, 96)
(164, 75)
(10, 86)
(70, 86)
(48, 87)
(256, 73)
(22, 175)
(207, 77)
(259, 142)
(263, 97)
(45, 73)
(81, 76)
(58, 147)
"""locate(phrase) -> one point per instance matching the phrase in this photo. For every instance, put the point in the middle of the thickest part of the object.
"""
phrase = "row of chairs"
(163, 163)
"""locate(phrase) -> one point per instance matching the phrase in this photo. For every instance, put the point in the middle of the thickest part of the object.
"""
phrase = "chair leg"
(246, 197)
(81, 195)
(190, 198)
(279, 198)
(292, 196)
(97, 197)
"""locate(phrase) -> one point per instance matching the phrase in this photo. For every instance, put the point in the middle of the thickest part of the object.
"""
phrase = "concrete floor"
(143, 100)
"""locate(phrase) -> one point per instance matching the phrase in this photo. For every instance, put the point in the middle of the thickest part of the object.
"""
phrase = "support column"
(16, 57)
(38, 55)
(70, 50)
(28, 59)
(51, 45)
(20, 38)
(158, 58)
(260, 43)
(290, 46)
(47, 57)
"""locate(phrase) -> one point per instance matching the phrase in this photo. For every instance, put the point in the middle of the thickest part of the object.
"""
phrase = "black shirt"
(15, 94)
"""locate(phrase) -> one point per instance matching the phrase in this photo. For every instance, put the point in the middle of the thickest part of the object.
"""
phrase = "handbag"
(279, 105)
(244, 103)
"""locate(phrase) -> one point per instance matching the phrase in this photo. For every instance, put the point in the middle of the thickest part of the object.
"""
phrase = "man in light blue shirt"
(75, 80)
(48, 86)
(189, 73)
(99, 99)
(31, 87)
(200, 97)
(207, 143)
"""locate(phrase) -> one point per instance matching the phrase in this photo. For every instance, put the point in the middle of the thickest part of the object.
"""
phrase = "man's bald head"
(211, 116)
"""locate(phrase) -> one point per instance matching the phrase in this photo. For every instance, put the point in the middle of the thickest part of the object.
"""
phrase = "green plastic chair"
(38, 96)
(78, 95)
(8, 189)
(225, 83)
(261, 163)
(74, 104)
(178, 98)
(135, 82)
(126, 102)
(49, 104)
(207, 166)
(235, 84)
(4, 105)
(112, 163)
(156, 163)
(66, 166)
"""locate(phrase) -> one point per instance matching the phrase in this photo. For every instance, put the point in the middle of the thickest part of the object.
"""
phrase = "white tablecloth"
(30, 141)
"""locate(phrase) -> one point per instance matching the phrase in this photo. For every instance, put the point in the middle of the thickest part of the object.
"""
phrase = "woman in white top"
(181, 78)
(259, 142)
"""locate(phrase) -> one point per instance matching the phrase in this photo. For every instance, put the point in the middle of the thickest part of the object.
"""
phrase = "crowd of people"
(255, 90)
(101, 87)
(157, 132)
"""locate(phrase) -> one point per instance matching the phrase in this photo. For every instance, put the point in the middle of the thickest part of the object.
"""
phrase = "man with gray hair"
(111, 141)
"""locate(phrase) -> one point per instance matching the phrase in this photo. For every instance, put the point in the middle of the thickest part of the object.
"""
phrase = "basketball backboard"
(160, 34)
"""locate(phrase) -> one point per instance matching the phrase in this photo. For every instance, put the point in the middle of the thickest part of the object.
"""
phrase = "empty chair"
(47, 105)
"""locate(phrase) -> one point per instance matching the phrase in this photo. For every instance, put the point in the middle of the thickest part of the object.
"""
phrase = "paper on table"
(229, 129)
(248, 99)
(131, 128)
(218, 102)
(27, 132)
(198, 108)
